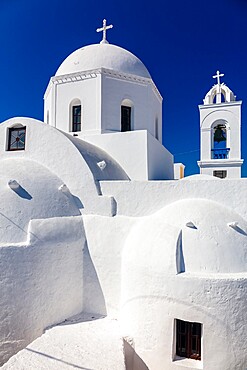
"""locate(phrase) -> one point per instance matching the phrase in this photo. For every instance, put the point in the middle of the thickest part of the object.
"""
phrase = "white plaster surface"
(93, 155)
(105, 248)
(150, 308)
(158, 194)
(208, 247)
(143, 97)
(103, 55)
(142, 157)
(168, 274)
(40, 281)
(83, 342)
(101, 94)
(36, 197)
(61, 95)
(52, 149)
(159, 160)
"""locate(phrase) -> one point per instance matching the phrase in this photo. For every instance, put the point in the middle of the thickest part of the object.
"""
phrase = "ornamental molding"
(81, 76)
(220, 163)
(219, 105)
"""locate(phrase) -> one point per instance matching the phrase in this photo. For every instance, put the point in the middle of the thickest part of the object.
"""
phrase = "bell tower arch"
(220, 131)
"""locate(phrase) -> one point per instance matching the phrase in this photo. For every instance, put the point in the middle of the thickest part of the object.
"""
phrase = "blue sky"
(182, 43)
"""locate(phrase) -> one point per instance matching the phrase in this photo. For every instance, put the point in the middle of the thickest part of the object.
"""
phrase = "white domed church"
(110, 258)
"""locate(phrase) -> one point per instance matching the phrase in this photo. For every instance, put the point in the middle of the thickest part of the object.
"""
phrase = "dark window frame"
(125, 118)
(76, 118)
(15, 140)
(188, 339)
(220, 174)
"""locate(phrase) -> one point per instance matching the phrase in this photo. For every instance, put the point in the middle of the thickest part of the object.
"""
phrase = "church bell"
(219, 134)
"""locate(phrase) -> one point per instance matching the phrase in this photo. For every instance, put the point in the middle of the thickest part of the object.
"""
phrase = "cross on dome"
(104, 28)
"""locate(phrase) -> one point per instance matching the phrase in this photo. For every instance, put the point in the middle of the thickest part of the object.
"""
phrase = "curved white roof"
(200, 177)
(94, 156)
(103, 56)
(192, 235)
(37, 197)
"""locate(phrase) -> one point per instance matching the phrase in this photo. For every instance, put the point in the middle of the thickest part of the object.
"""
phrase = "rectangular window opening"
(125, 118)
(188, 339)
(221, 174)
(76, 118)
(16, 138)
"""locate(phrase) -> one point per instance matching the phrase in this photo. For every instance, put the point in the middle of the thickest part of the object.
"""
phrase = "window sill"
(188, 362)
(15, 150)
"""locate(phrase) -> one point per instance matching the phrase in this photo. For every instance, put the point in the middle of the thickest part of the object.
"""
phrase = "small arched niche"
(219, 140)
(127, 114)
(75, 114)
(156, 128)
(48, 117)
(16, 137)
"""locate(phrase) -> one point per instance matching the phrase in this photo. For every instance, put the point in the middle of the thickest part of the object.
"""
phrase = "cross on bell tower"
(218, 94)
(218, 75)
(104, 29)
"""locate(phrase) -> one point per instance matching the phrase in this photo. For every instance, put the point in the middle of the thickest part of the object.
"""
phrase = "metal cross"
(104, 28)
(218, 75)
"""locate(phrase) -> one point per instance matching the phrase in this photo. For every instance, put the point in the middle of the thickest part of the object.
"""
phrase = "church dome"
(103, 56)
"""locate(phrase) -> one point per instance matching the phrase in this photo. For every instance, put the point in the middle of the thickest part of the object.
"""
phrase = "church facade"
(93, 221)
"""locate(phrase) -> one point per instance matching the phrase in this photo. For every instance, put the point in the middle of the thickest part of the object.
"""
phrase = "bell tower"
(220, 131)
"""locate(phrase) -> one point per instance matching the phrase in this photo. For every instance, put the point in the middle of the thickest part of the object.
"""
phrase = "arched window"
(16, 137)
(219, 141)
(126, 115)
(75, 115)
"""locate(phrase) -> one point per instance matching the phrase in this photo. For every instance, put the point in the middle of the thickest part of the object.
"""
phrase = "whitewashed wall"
(158, 194)
(171, 271)
(140, 155)
(59, 98)
(40, 281)
(101, 93)
(48, 146)
(147, 103)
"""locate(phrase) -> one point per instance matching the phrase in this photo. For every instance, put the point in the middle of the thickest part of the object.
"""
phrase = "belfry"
(220, 126)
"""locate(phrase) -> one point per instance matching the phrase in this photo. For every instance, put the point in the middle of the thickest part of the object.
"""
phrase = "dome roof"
(36, 197)
(190, 235)
(94, 156)
(103, 56)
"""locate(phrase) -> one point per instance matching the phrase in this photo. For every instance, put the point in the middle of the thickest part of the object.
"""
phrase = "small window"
(17, 138)
(76, 118)
(221, 174)
(125, 118)
(188, 339)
